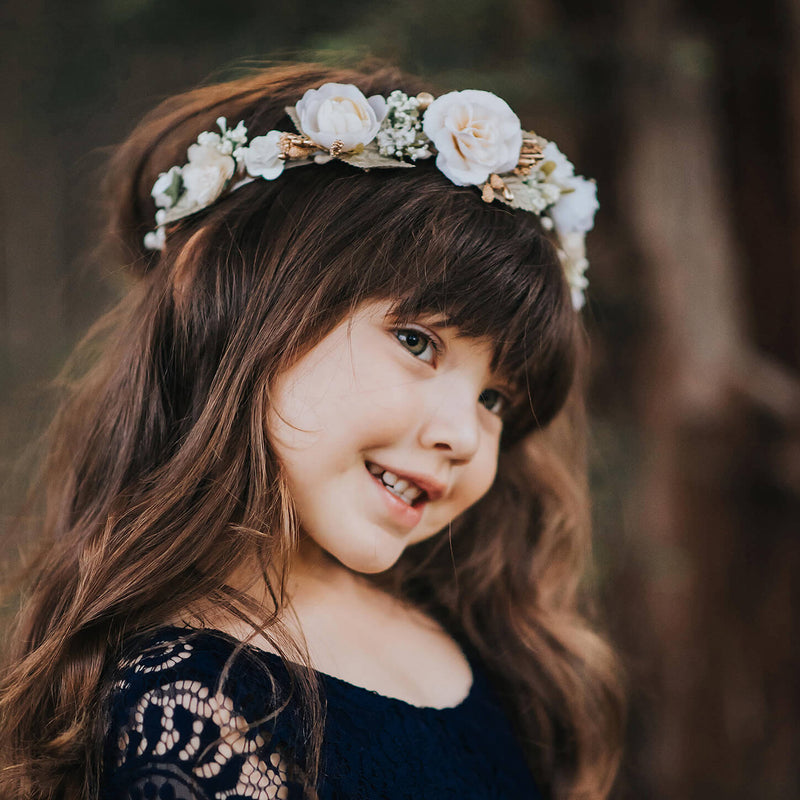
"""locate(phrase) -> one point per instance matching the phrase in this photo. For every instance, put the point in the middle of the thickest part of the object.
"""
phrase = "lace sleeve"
(179, 733)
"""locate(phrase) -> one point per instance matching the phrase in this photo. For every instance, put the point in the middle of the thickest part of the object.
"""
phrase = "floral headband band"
(476, 137)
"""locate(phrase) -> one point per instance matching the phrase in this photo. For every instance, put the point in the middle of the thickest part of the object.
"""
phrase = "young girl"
(315, 518)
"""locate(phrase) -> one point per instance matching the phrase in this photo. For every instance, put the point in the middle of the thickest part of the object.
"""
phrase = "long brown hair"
(160, 480)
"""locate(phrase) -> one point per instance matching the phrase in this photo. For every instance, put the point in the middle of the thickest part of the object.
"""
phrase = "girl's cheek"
(485, 473)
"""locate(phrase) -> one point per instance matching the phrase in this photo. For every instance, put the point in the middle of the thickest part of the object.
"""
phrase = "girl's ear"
(184, 269)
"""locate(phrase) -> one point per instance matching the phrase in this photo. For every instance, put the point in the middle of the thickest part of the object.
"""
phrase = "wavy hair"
(160, 480)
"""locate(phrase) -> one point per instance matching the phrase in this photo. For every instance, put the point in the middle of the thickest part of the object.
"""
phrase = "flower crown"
(476, 137)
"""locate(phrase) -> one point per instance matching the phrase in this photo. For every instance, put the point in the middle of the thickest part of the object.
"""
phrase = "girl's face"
(373, 405)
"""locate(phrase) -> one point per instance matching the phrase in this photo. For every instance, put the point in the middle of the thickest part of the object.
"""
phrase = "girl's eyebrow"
(432, 320)
(440, 323)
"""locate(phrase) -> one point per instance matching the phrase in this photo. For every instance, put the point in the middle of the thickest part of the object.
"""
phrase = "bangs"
(324, 239)
(492, 273)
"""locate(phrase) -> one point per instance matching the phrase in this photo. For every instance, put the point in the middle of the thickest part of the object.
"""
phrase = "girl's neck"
(316, 571)
(355, 631)
(318, 587)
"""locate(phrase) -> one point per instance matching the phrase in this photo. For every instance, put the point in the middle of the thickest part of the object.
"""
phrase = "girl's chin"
(366, 560)
(372, 564)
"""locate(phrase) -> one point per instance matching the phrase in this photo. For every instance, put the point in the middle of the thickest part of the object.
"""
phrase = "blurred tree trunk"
(708, 187)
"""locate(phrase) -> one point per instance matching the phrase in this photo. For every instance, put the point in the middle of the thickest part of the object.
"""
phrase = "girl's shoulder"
(193, 714)
(207, 666)
(188, 653)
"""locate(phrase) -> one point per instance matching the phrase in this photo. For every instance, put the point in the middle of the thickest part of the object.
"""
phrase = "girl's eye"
(492, 400)
(417, 343)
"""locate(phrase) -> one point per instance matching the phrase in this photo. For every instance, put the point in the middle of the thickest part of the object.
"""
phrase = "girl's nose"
(452, 425)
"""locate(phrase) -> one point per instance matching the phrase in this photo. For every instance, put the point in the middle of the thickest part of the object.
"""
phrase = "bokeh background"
(688, 115)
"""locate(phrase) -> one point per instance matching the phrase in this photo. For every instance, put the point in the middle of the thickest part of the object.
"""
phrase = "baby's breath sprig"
(401, 133)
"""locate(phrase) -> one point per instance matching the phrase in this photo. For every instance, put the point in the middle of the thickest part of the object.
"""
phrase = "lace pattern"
(189, 722)
(186, 738)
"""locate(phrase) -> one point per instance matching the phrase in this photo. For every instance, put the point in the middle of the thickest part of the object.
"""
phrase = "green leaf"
(176, 187)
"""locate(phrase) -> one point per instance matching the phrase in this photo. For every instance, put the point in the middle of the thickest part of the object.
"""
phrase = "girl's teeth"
(411, 494)
(399, 487)
(408, 496)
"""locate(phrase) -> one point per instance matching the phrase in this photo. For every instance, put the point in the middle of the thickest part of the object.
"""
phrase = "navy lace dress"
(187, 722)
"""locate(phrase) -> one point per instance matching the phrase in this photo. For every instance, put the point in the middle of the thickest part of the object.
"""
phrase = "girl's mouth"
(400, 487)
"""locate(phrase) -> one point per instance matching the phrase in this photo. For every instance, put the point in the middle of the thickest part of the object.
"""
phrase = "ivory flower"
(156, 240)
(575, 209)
(262, 156)
(575, 264)
(207, 172)
(339, 111)
(165, 189)
(555, 165)
(475, 133)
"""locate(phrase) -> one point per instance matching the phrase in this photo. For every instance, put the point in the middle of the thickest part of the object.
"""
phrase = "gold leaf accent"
(530, 154)
(498, 185)
(487, 193)
(293, 145)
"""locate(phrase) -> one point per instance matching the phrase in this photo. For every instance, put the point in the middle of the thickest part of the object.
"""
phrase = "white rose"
(575, 209)
(475, 133)
(206, 174)
(262, 156)
(340, 111)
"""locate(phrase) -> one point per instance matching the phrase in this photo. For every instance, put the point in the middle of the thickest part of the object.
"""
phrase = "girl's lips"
(399, 510)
